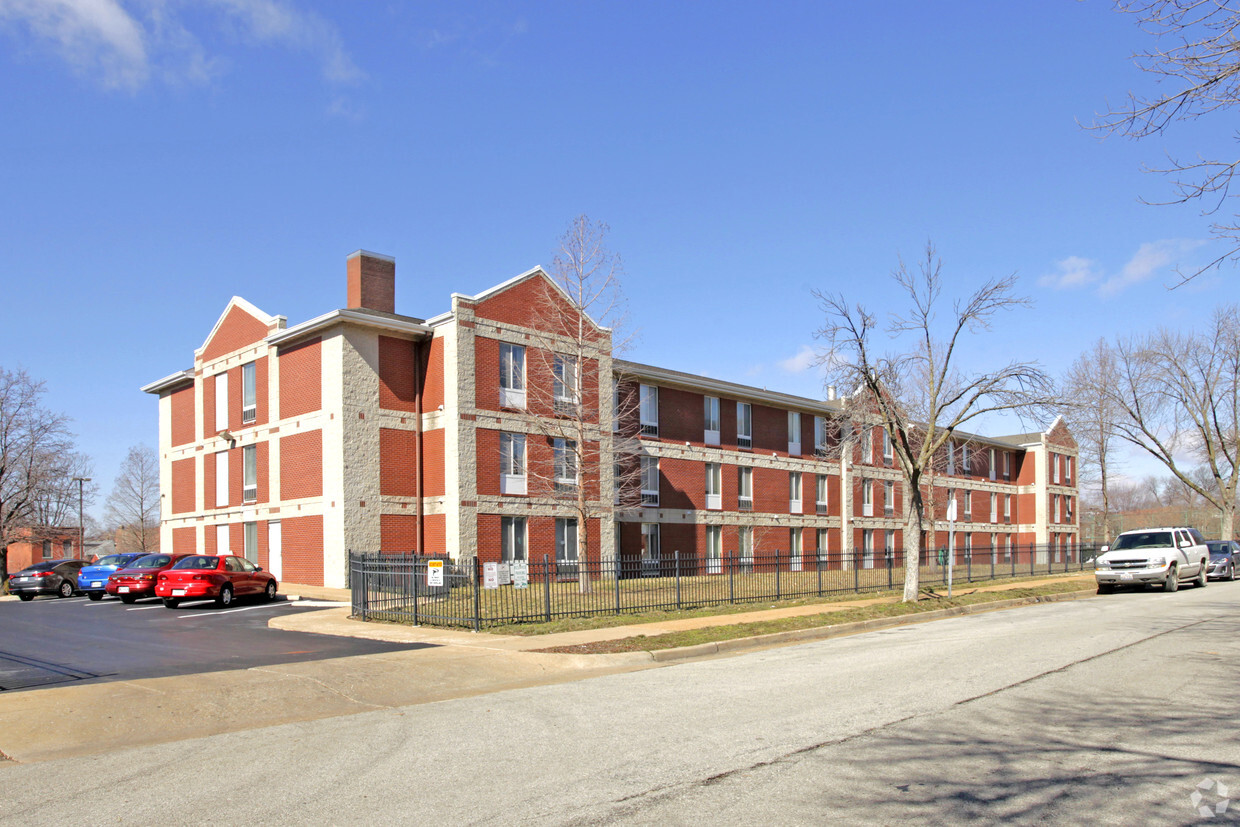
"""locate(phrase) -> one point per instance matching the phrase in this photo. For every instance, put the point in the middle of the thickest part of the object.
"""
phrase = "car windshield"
(150, 561)
(1220, 549)
(111, 560)
(1143, 539)
(197, 562)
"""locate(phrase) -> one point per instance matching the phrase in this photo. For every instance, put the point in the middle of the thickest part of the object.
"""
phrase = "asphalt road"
(1110, 710)
(52, 641)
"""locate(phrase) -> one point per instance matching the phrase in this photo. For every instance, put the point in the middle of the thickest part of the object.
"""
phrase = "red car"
(138, 578)
(219, 576)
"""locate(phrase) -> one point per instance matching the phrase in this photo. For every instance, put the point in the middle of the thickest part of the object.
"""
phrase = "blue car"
(93, 579)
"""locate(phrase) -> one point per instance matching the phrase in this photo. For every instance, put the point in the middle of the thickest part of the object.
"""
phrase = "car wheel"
(1173, 580)
(171, 602)
(1105, 588)
(225, 598)
(271, 590)
(1231, 573)
(127, 598)
(95, 595)
(1202, 578)
(25, 597)
(66, 589)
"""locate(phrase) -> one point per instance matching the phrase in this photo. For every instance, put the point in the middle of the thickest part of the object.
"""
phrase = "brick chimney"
(372, 281)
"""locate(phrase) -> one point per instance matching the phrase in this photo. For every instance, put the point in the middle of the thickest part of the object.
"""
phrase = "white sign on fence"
(490, 575)
(434, 572)
(505, 574)
(520, 574)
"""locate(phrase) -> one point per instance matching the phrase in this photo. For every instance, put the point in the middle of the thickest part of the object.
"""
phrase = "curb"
(721, 647)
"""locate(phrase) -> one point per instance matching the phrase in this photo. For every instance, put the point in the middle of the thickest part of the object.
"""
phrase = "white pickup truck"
(1153, 556)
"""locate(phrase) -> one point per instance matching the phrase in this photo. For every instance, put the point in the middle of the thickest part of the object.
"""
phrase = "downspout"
(417, 441)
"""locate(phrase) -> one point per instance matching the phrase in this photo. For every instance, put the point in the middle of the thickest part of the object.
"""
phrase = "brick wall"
(237, 330)
(209, 428)
(433, 463)
(396, 374)
(183, 541)
(397, 471)
(436, 534)
(433, 375)
(398, 533)
(183, 490)
(301, 379)
(301, 465)
(302, 550)
(182, 402)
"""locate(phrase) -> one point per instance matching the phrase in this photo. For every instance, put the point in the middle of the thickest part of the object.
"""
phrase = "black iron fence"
(438, 591)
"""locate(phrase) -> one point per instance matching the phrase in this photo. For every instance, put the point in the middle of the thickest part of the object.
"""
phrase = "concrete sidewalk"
(116, 715)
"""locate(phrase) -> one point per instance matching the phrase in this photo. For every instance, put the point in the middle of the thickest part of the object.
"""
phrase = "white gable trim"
(241, 304)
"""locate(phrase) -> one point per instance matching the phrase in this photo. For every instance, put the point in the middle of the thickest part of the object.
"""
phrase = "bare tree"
(1180, 398)
(37, 464)
(586, 463)
(1089, 399)
(133, 505)
(1196, 60)
(919, 393)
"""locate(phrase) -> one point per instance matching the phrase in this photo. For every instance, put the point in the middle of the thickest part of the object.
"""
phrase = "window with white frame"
(1067, 470)
(648, 409)
(512, 535)
(249, 394)
(1007, 465)
(47, 550)
(888, 451)
(1007, 547)
(221, 402)
(650, 481)
(714, 549)
(968, 505)
(249, 469)
(966, 467)
(824, 548)
(952, 512)
(714, 485)
(249, 536)
(511, 376)
(223, 543)
(867, 445)
(221, 479)
(650, 541)
(867, 498)
(820, 494)
(889, 545)
(1055, 507)
(820, 434)
(1007, 508)
(951, 457)
(565, 382)
(565, 460)
(566, 541)
(744, 489)
(867, 549)
(794, 549)
(512, 464)
(993, 469)
(1055, 468)
(994, 548)
(744, 425)
(968, 546)
(994, 507)
(794, 433)
(1067, 509)
(794, 492)
(711, 417)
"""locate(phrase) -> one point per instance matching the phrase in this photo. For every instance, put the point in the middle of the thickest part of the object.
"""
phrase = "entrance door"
(274, 561)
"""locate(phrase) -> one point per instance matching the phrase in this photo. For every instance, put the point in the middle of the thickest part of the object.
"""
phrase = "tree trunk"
(914, 511)
(1227, 521)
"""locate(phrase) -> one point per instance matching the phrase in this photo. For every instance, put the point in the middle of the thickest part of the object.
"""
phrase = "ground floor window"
(566, 540)
(251, 542)
(511, 538)
(650, 541)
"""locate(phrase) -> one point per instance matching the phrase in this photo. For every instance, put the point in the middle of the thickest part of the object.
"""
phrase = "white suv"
(1164, 556)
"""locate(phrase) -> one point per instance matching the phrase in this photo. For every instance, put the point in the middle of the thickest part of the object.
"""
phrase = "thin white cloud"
(804, 359)
(1072, 271)
(124, 43)
(1150, 258)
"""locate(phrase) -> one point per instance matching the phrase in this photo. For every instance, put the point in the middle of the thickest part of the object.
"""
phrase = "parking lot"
(53, 642)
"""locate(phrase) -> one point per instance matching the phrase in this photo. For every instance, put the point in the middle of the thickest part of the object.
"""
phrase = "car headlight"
(1158, 562)
(1102, 564)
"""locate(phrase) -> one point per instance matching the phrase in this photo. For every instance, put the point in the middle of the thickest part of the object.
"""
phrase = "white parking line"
(141, 608)
(242, 609)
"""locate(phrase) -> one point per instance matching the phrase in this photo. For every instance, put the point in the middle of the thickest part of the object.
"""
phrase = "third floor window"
(511, 376)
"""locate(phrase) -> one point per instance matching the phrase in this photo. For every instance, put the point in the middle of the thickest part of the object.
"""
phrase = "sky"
(158, 157)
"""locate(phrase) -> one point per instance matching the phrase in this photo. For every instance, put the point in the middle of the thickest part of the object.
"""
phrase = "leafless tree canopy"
(1178, 394)
(1089, 400)
(913, 382)
(584, 460)
(37, 464)
(133, 505)
(1196, 59)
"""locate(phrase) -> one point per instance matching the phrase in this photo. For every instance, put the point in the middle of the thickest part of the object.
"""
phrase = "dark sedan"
(1223, 556)
(57, 577)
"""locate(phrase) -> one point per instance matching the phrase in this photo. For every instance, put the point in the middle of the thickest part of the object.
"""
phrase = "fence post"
(856, 571)
(547, 586)
(968, 565)
(676, 554)
(994, 554)
(615, 566)
(1033, 560)
(415, 590)
(889, 556)
(731, 577)
(778, 585)
(818, 564)
(477, 596)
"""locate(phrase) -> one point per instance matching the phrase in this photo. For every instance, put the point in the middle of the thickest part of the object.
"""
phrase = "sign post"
(951, 541)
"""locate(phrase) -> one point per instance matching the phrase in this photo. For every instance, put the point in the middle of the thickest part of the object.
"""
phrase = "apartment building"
(365, 429)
